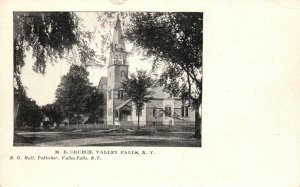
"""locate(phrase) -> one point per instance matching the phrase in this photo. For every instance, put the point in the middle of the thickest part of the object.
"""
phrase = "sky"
(42, 88)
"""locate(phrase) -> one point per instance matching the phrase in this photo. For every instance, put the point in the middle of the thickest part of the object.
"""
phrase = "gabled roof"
(123, 104)
(159, 93)
(103, 81)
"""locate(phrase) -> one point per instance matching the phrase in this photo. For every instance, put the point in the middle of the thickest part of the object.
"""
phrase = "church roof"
(123, 104)
(102, 83)
(103, 80)
(118, 39)
(159, 93)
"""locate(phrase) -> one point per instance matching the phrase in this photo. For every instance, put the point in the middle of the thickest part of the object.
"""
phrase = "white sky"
(42, 88)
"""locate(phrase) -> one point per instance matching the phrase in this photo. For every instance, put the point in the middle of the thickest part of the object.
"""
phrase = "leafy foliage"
(29, 114)
(93, 103)
(75, 94)
(137, 88)
(175, 42)
(53, 112)
(49, 34)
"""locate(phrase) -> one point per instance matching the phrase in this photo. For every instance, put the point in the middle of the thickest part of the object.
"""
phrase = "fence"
(97, 126)
(87, 126)
(105, 126)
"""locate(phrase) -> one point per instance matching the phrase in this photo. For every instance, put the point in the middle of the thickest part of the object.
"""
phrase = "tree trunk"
(16, 110)
(197, 123)
(77, 120)
(138, 126)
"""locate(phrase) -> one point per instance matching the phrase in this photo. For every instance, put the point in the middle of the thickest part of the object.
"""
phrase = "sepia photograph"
(108, 79)
(149, 93)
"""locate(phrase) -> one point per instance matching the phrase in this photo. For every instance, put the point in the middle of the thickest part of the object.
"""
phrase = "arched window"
(120, 59)
(184, 111)
(168, 111)
(109, 94)
(122, 73)
(120, 94)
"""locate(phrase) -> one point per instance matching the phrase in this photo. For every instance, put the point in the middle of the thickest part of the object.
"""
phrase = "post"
(155, 119)
(138, 126)
(77, 120)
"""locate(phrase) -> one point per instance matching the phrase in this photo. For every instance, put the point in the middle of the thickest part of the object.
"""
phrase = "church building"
(162, 109)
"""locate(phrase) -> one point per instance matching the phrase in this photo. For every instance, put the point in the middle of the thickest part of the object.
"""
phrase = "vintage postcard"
(157, 93)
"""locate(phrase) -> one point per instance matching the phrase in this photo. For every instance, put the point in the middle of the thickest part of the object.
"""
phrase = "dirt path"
(106, 140)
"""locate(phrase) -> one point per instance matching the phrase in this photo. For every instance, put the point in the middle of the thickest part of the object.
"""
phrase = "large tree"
(29, 115)
(50, 36)
(93, 103)
(175, 42)
(137, 88)
(75, 94)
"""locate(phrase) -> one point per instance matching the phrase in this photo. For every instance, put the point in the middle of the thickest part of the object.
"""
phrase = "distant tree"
(53, 112)
(75, 95)
(175, 42)
(137, 88)
(29, 115)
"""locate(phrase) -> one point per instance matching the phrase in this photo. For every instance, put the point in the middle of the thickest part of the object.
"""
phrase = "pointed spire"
(117, 51)
(118, 39)
(118, 23)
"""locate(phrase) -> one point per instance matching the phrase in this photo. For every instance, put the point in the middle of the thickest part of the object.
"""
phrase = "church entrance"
(125, 116)
(123, 112)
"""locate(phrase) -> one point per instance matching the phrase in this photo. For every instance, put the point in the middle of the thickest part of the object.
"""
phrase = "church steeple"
(117, 47)
(118, 39)
(117, 71)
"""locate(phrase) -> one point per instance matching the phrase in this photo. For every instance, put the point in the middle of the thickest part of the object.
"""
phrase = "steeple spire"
(118, 54)
(118, 40)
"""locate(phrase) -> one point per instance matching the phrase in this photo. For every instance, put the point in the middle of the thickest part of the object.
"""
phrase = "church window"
(154, 112)
(184, 111)
(109, 94)
(120, 58)
(117, 59)
(109, 111)
(168, 111)
(122, 73)
(120, 94)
